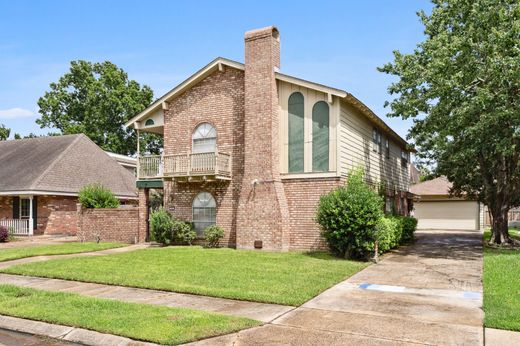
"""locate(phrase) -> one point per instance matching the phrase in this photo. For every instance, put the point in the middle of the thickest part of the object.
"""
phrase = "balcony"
(186, 167)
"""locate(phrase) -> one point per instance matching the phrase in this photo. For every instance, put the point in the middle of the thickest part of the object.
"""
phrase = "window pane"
(204, 212)
(25, 208)
(296, 134)
(204, 139)
(320, 137)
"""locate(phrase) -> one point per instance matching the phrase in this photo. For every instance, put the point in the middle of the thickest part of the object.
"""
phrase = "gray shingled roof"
(61, 165)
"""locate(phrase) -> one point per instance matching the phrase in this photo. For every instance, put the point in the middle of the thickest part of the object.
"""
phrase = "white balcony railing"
(185, 165)
(18, 226)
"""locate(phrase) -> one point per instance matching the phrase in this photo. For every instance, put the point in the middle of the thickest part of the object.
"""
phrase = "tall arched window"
(296, 133)
(320, 137)
(204, 211)
(204, 138)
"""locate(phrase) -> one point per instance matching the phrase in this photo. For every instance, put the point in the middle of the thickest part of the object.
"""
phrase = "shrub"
(4, 235)
(388, 233)
(161, 226)
(183, 231)
(213, 235)
(97, 196)
(409, 225)
(348, 217)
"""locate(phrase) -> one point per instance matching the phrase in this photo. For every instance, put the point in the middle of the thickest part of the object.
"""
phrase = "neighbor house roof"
(60, 165)
(220, 63)
(436, 187)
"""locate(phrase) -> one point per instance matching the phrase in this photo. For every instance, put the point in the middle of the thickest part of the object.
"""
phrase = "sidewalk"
(258, 311)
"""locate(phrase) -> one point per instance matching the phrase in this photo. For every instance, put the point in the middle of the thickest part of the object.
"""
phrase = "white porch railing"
(185, 165)
(18, 226)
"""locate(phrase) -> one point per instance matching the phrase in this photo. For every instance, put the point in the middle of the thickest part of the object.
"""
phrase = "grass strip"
(159, 324)
(58, 249)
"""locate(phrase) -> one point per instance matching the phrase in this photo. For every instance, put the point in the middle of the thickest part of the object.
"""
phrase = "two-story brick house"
(252, 149)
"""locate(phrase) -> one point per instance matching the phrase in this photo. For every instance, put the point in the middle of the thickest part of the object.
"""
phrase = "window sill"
(310, 175)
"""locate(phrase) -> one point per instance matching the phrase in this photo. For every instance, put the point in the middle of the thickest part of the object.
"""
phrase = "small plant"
(97, 196)
(348, 217)
(4, 234)
(183, 231)
(213, 235)
(11, 237)
(161, 226)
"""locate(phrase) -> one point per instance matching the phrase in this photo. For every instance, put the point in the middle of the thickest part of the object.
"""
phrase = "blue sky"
(160, 43)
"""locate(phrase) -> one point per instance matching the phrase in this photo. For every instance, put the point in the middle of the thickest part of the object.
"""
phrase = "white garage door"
(447, 215)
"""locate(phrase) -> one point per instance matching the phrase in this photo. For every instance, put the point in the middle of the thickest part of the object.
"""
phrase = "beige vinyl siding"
(310, 98)
(355, 150)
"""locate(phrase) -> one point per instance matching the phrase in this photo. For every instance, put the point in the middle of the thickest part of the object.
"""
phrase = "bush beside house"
(352, 221)
(97, 196)
(167, 229)
(4, 234)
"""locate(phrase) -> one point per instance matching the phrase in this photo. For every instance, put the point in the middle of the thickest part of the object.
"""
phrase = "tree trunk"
(499, 226)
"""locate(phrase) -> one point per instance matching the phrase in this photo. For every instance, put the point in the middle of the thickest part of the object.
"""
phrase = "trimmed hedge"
(97, 196)
(393, 231)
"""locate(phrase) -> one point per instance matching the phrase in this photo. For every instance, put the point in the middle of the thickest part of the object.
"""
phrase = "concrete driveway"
(427, 293)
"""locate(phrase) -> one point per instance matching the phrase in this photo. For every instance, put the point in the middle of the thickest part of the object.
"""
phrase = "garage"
(447, 215)
(435, 209)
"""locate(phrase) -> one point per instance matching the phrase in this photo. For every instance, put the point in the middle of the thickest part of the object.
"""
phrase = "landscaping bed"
(159, 324)
(283, 278)
(58, 249)
(501, 286)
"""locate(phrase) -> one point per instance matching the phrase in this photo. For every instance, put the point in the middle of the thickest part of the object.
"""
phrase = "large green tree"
(461, 85)
(97, 99)
(4, 132)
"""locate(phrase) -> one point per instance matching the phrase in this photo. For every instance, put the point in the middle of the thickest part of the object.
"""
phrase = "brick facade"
(258, 203)
(218, 100)
(55, 214)
(303, 196)
(117, 224)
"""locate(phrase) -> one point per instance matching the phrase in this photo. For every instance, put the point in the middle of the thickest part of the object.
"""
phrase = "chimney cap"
(262, 32)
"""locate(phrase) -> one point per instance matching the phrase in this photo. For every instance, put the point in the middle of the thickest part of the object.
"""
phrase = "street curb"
(72, 334)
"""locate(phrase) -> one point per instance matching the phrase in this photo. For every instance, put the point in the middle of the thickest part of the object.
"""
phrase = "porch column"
(31, 222)
(144, 207)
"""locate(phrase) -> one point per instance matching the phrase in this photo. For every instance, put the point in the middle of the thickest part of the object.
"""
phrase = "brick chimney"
(262, 212)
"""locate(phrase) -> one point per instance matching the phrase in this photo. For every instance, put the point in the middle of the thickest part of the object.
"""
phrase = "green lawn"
(285, 278)
(153, 323)
(502, 286)
(59, 249)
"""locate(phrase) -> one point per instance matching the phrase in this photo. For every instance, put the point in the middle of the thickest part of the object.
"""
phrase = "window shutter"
(35, 212)
(16, 207)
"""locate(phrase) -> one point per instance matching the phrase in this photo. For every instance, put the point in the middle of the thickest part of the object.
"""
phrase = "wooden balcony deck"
(188, 167)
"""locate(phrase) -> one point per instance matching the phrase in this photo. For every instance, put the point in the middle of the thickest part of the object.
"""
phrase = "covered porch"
(18, 213)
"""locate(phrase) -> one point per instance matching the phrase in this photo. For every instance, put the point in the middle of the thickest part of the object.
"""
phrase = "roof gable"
(67, 163)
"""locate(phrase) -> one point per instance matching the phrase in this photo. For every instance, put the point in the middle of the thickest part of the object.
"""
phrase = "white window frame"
(203, 132)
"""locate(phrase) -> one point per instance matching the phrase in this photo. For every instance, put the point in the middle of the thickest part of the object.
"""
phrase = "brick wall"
(58, 209)
(303, 196)
(6, 207)
(118, 224)
(62, 222)
(219, 100)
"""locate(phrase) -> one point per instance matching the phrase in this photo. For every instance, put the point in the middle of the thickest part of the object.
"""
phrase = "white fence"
(18, 226)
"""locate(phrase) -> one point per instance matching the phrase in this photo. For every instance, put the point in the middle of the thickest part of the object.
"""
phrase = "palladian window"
(204, 138)
(320, 137)
(296, 132)
(204, 211)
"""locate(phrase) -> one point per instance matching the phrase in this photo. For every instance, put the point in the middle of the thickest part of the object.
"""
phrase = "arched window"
(320, 137)
(204, 211)
(149, 122)
(296, 133)
(204, 138)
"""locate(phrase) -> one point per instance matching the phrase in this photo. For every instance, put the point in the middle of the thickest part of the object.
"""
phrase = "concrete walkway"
(38, 240)
(128, 248)
(258, 311)
(428, 293)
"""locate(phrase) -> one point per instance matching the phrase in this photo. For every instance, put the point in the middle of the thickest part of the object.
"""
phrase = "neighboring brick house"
(252, 149)
(40, 179)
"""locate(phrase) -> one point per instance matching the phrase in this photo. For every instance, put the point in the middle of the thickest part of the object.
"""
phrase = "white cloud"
(15, 113)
